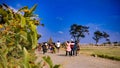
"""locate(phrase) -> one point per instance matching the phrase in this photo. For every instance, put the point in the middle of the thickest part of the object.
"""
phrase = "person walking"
(44, 48)
(75, 48)
(58, 45)
(68, 48)
(72, 45)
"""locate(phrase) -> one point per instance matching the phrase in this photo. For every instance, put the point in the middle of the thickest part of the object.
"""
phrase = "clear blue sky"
(59, 15)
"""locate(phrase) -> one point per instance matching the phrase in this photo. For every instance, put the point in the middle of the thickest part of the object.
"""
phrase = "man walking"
(58, 45)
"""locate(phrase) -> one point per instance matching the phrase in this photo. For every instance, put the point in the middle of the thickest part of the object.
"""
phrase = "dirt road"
(81, 61)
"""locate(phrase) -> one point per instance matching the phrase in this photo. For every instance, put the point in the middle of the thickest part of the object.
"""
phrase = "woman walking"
(44, 48)
(68, 48)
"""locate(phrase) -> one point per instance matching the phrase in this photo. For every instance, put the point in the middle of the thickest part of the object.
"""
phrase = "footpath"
(80, 61)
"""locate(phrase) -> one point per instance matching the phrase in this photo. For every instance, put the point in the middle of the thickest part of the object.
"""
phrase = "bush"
(18, 37)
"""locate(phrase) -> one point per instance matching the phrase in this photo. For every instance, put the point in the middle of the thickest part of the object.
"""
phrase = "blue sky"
(59, 15)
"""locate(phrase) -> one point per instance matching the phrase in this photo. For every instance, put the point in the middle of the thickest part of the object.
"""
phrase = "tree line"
(78, 32)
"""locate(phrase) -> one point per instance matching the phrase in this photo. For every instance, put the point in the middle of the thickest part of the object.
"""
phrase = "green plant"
(18, 38)
(17, 33)
(48, 60)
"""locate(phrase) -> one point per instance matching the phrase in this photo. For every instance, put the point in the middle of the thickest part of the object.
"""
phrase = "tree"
(50, 41)
(99, 35)
(116, 43)
(106, 36)
(78, 31)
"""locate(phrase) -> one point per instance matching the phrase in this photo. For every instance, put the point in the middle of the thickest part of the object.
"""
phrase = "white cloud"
(94, 26)
(59, 18)
(60, 32)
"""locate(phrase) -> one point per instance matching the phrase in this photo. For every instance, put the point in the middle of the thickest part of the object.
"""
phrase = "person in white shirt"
(58, 45)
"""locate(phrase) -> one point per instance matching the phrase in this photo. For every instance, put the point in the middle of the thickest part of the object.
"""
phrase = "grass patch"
(109, 52)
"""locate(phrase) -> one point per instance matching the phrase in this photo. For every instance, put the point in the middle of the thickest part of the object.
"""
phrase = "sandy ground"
(80, 61)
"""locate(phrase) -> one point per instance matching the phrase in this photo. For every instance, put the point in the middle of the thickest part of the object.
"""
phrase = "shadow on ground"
(62, 55)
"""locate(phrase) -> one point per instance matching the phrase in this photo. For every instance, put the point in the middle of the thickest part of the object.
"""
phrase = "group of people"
(45, 47)
(71, 47)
